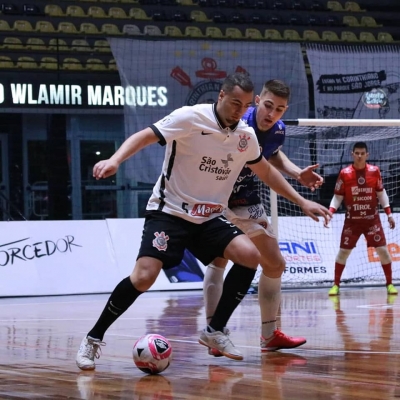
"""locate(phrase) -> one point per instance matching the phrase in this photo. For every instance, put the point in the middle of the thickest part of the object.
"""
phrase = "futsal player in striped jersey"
(247, 212)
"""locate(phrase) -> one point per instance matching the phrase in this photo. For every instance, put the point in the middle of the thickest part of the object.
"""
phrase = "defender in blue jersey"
(247, 212)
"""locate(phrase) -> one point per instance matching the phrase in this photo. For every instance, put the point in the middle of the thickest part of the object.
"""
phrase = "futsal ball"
(152, 353)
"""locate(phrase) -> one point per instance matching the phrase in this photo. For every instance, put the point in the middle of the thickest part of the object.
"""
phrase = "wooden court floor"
(352, 349)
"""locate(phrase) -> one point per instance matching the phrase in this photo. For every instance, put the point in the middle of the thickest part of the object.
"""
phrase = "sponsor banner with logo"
(160, 76)
(310, 251)
(73, 257)
(355, 82)
(56, 257)
(78, 257)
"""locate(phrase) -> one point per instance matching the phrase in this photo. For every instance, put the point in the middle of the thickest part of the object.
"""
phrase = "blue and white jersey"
(245, 190)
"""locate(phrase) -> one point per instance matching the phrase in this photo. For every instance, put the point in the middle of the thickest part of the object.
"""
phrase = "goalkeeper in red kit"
(360, 186)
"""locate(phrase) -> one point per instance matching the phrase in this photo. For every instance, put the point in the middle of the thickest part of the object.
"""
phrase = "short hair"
(238, 79)
(276, 87)
(360, 145)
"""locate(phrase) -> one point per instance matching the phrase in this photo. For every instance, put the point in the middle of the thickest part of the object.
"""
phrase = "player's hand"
(313, 210)
(392, 223)
(309, 178)
(105, 168)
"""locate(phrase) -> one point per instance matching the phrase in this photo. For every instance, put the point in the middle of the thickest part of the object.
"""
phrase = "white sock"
(269, 297)
(212, 289)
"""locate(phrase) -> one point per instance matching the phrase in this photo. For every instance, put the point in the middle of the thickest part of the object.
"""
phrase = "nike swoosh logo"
(206, 133)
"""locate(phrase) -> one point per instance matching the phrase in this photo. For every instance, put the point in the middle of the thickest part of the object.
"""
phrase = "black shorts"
(165, 237)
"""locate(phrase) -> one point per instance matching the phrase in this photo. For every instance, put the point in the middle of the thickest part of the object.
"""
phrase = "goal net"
(310, 249)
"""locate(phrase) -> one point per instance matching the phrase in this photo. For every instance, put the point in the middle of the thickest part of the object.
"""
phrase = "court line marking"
(296, 350)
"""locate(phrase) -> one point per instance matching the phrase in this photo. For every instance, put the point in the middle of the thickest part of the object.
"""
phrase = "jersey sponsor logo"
(160, 242)
(206, 133)
(355, 190)
(255, 211)
(237, 202)
(243, 143)
(362, 198)
(226, 162)
(205, 210)
(245, 176)
(279, 132)
(361, 207)
(208, 164)
(338, 185)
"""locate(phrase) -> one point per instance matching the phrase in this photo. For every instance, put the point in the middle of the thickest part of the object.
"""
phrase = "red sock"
(338, 272)
(387, 269)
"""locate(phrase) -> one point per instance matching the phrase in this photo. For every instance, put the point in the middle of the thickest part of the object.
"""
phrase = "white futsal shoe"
(220, 341)
(88, 351)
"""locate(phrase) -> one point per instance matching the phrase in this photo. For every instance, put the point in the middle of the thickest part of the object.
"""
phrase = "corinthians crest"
(243, 142)
(160, 242)
(205, 91)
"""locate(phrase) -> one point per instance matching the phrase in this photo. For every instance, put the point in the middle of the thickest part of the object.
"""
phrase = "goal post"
(310, 249)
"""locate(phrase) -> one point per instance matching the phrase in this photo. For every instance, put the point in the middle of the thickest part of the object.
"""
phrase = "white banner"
(72, 257)
(165, 75)
(56, 257)
(355, 82)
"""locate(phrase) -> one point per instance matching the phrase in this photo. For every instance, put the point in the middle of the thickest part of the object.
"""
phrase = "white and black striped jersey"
(202, 162)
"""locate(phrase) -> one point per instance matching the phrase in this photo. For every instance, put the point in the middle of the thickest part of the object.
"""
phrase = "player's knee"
(275, 269)
(251, 258)
(145, 273)
(384, 255)
(241, 250)
(218, 263)
(342, 256)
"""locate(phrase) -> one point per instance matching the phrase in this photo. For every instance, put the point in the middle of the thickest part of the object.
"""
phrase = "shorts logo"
(243, 143)
(160, 242)
(377, 238)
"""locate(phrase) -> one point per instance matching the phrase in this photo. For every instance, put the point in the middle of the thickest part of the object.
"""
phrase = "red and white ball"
(152, 353)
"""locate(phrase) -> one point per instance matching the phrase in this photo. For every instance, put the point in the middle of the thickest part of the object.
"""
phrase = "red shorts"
(372, 231)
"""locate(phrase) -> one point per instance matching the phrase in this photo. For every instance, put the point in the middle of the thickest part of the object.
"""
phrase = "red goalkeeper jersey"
(359, 187)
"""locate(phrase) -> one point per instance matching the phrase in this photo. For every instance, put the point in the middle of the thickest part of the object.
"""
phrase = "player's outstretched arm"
(134, 143)
(274, 179)
(307, 176)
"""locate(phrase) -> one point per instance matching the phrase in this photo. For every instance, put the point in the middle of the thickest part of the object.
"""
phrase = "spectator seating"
(32, 34)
